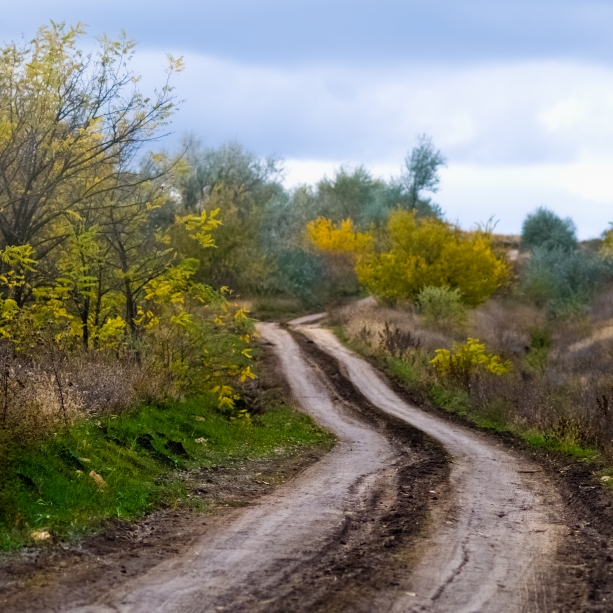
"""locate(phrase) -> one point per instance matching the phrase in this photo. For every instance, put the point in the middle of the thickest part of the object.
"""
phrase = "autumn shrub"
(467, 362)
(544, 229)
(442, 307)
(416, 253)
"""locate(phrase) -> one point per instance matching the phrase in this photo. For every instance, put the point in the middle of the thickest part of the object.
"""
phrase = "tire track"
(246, 566)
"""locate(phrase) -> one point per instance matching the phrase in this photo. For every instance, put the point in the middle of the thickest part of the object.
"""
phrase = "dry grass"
(38, 393)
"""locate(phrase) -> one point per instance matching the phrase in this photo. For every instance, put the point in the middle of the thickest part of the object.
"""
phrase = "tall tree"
(70, 127)
(421, 171)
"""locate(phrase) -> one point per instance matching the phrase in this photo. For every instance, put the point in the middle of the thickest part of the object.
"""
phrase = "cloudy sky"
(517, 93)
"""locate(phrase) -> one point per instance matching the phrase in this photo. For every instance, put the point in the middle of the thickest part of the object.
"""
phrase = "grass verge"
(494, 416)
(415, 374)
(124, 466)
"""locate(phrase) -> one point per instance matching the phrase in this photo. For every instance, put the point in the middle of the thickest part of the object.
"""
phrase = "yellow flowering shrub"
(467, 361)
(337, 238)
(419, 253)
(432, 253)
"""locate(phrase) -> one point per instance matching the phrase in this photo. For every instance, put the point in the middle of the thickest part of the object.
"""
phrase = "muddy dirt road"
(358, 515)
(493, 550)
(245, 566)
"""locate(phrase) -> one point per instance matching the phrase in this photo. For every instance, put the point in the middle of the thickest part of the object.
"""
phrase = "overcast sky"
(518, 94)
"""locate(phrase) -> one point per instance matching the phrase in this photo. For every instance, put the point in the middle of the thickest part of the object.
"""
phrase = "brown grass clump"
(51, 388)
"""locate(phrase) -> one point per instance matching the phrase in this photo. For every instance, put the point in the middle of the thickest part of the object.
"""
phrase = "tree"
(421, 172)
(543, 228)
(70, 127)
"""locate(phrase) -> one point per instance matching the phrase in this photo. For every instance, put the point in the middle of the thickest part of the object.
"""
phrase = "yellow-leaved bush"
(419, 253)
(337, 238)
(467, 361)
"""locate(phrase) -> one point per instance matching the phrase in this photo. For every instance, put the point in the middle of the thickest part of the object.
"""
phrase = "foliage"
(430, 252)
(337, 238)
(540, 347)
(546, 230)
(70, 126)
(87, 250)
(606, 248)
(468, 361)
(421, 172)
(395, 342)
(563, 281)
(441, 306)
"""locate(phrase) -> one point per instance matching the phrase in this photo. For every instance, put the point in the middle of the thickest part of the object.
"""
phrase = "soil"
(53, 578)
(494, 550)
(363, 561)
(369, 550)
(584, 560)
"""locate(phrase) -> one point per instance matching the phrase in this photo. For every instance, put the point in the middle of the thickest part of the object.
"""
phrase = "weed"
(395, 342)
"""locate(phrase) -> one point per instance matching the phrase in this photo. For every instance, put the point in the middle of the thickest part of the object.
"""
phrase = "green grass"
(494, 416)
(46, 486)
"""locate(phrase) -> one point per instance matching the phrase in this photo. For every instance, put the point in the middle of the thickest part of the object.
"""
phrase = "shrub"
(540, 346)
(395, 342)
(430, 252)
(544, 228)
(467, 362)
(563, 281)
(441, 307)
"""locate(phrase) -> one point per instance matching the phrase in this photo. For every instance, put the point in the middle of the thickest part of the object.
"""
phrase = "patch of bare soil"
(583, 570)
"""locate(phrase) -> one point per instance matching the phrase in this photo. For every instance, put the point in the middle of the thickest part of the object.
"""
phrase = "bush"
(563, 281)
(545, 229)
(430, 252)
(467, 362)
(441, 307)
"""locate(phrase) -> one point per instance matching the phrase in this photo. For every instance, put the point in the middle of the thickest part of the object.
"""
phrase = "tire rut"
(319, 543)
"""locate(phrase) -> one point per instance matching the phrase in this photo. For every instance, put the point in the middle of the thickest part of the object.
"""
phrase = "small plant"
(442, 307)
(540, 346)
(467, 362)
(396, 342)
(364, 335)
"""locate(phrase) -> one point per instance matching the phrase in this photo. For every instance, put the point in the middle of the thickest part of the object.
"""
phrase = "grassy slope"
(46, 486)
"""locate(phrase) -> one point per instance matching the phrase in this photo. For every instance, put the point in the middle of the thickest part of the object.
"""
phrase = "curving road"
(245, 565)
(489, 553)
(495, 554)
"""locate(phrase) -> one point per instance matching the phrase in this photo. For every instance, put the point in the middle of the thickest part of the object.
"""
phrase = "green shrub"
(545, 229)
(442, 307)
(540, 346)
(563, 281)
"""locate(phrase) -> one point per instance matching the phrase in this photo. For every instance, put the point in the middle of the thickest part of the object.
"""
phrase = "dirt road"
(358, 515)
(246, 565)
(494, 550)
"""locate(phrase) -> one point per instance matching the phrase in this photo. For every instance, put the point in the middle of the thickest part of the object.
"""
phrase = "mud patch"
(57, 577)
(380, 541)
